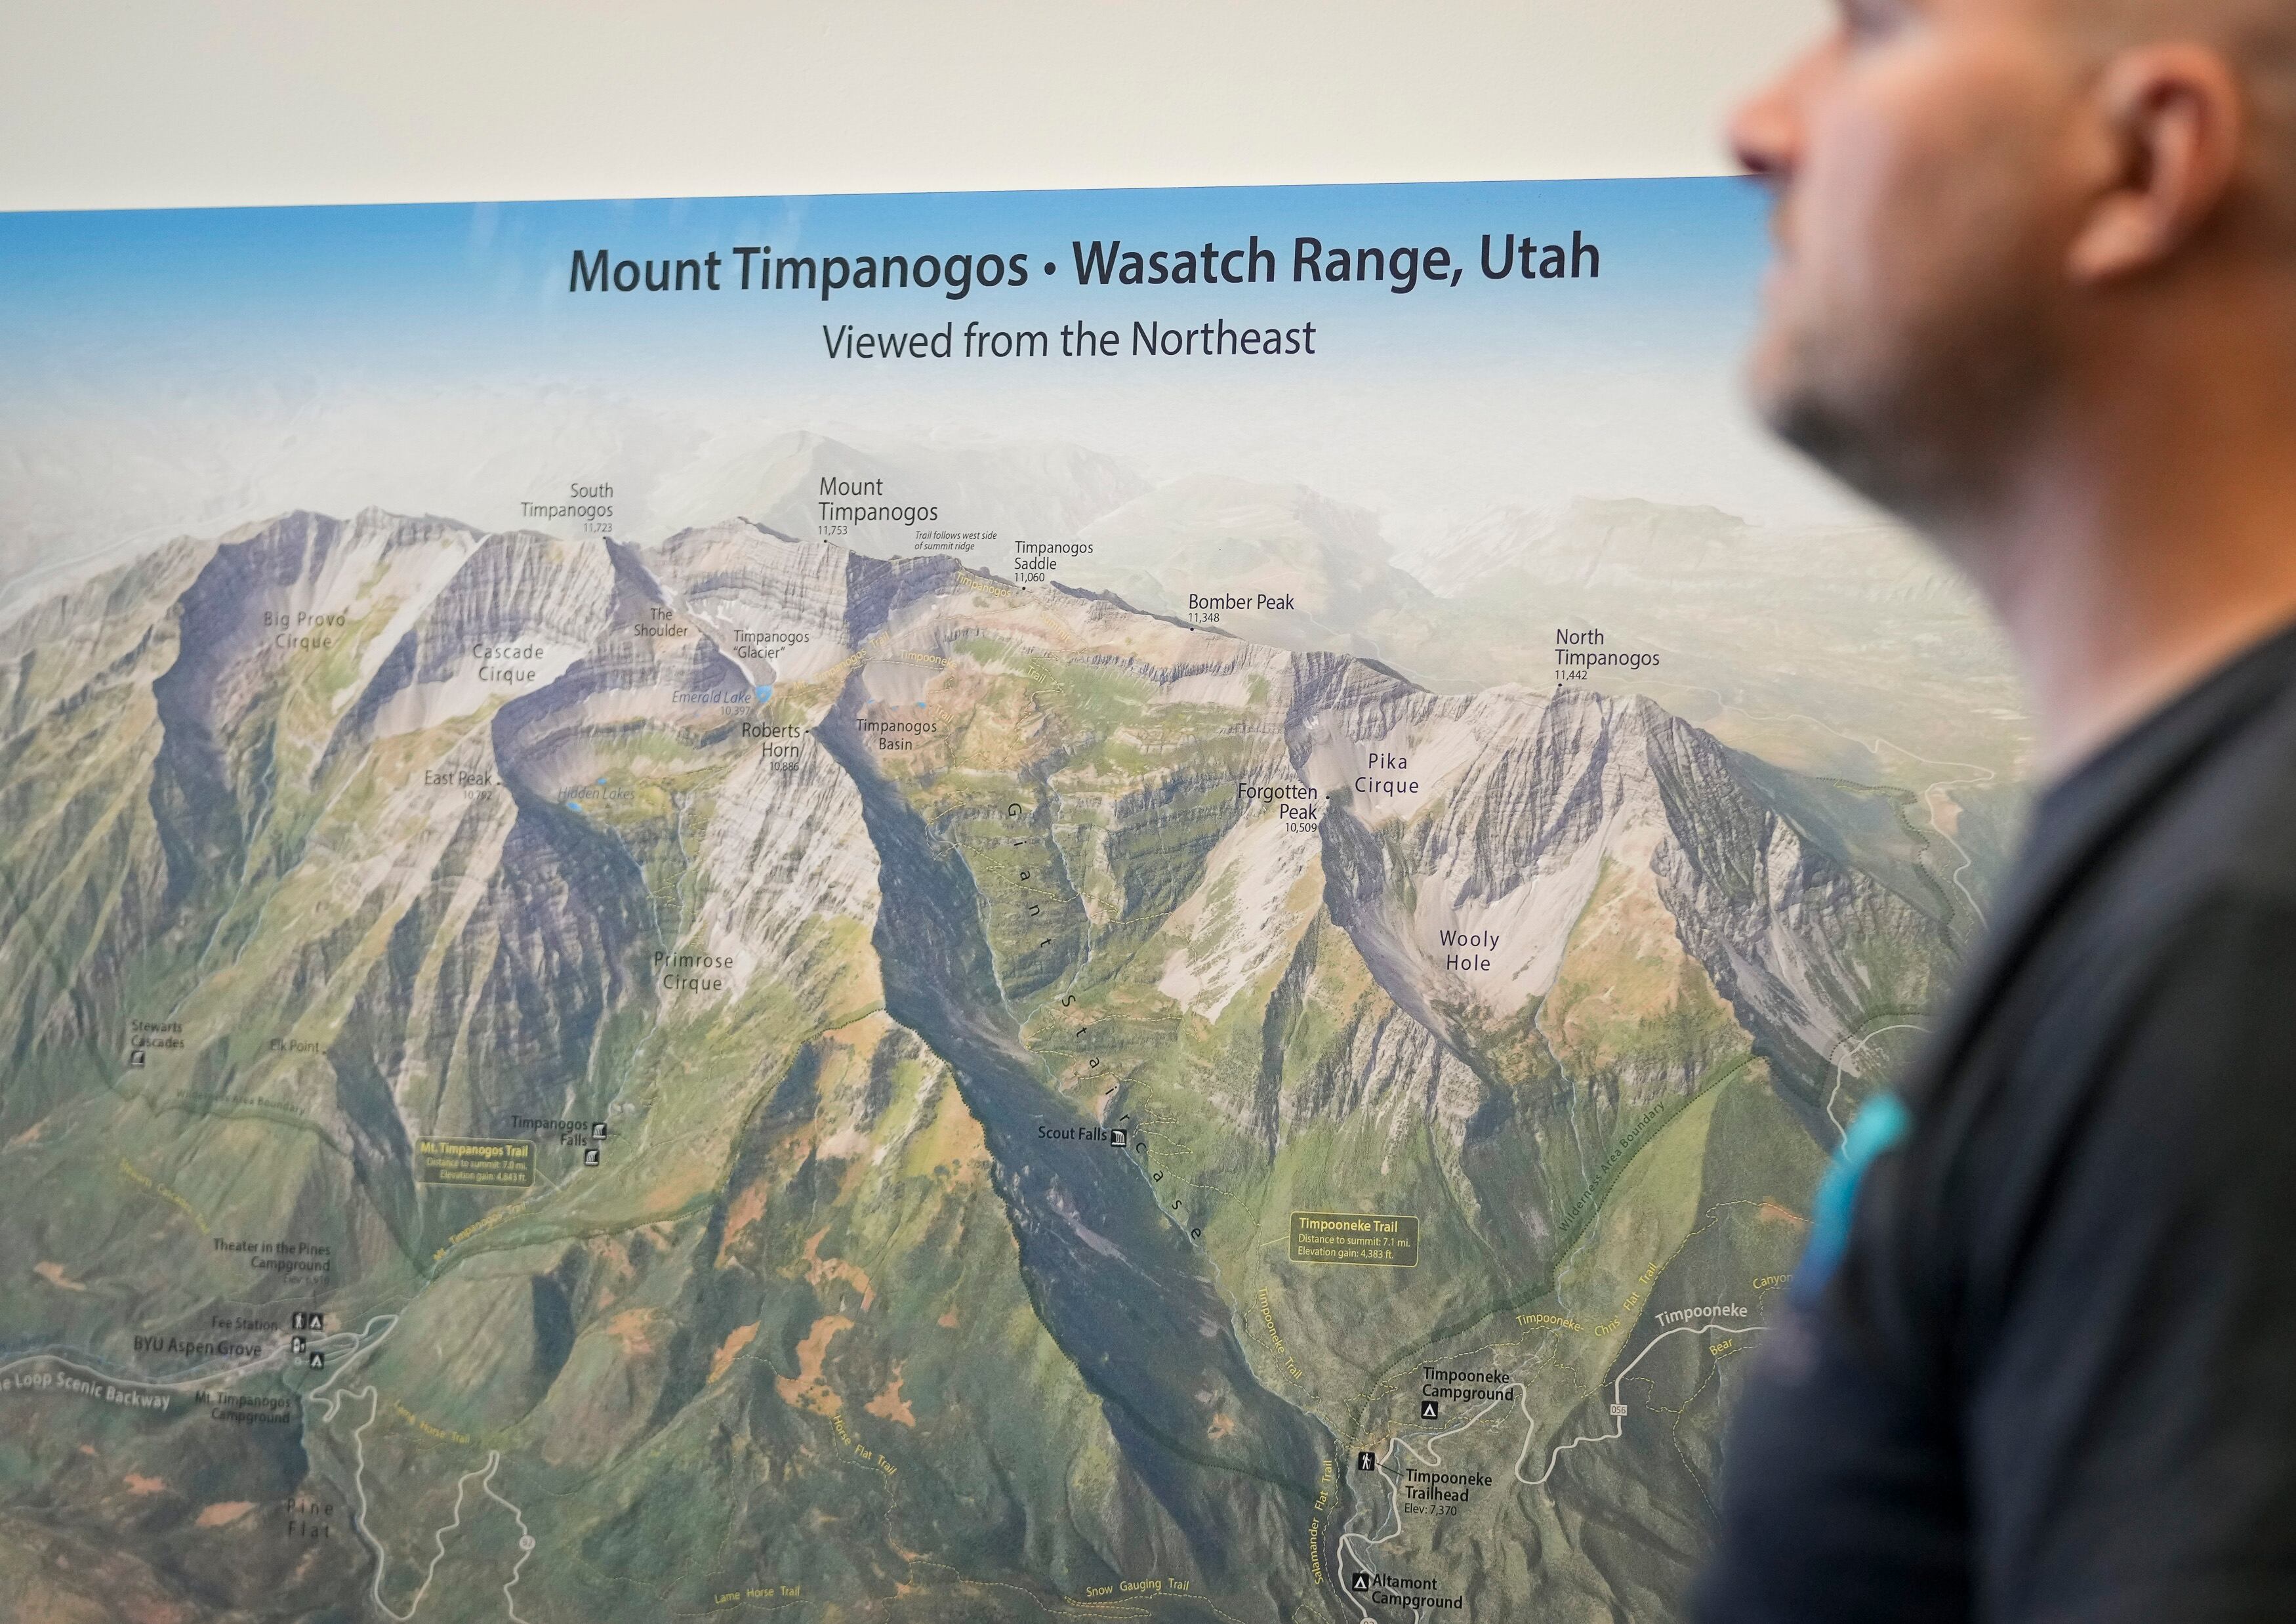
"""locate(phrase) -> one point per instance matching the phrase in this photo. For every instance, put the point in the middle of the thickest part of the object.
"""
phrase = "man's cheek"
(1869, 253)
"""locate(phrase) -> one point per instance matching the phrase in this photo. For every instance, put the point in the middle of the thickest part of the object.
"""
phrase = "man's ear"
(2172, 119)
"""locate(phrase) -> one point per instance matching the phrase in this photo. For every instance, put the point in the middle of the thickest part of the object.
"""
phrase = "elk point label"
(1382, 1239)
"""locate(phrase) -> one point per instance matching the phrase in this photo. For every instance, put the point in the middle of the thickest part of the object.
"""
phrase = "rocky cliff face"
(867, 903)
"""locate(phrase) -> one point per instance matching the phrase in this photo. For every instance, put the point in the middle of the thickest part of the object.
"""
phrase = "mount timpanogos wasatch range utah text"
(1400, 268)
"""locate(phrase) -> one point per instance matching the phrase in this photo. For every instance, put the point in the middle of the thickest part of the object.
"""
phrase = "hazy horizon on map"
(168, 369)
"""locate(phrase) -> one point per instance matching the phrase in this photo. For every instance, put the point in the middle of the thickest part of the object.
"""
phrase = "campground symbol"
(1429, 1410)
(1359, 1582)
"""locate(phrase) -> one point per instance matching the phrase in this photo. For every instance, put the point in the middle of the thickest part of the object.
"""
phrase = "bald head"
(1995, 216)
(2254, 41)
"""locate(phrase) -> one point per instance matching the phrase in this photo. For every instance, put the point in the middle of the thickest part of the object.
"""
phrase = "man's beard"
(1928, 440)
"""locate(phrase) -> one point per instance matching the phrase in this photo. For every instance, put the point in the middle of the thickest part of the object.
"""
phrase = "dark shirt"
(2051, 1372)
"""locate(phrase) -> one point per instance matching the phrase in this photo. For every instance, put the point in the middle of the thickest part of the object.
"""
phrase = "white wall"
(109, 103)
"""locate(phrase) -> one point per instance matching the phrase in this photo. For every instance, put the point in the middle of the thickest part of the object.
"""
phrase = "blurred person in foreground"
(2035, 291)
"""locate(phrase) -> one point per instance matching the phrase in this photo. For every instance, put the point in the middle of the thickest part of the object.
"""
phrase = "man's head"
(1989, 212)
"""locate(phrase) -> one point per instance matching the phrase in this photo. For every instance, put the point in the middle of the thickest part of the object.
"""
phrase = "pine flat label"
(496, 1163)
(1390, 1240)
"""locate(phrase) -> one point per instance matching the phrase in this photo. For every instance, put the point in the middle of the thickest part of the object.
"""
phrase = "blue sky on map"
(163, 369)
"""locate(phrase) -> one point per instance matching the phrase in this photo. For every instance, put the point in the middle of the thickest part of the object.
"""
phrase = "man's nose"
(1764, 130)
(1760, 133)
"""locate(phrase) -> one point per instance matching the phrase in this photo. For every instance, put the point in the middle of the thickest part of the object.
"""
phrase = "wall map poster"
(1134, 905)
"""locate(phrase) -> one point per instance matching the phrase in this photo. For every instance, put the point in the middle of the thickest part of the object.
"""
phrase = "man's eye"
(1869, 19)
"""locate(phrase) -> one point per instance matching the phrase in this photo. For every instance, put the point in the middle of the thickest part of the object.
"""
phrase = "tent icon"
(1359, 1582)
(1429, 1410)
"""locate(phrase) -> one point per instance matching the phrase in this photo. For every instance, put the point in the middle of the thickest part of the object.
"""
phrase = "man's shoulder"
(2175, 940)
(2238, 800)
(2160, 997)
(2215, 851)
